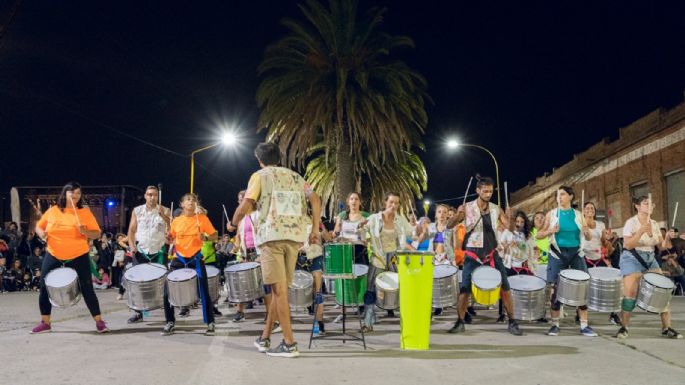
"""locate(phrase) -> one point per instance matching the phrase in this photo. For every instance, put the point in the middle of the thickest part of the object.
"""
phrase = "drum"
(541, 271)
(415, 269)
(485, 285)
(123, 276)
(182, 287)
(573, 287)
(338, 259)
(300, 290)
(330, 285)
(63, 287)
(213, 275)
(244, 282)
(606, 289)
(145, 286)
(529, 295)
(445, 286)
(655, 293)
(388, 290)
(353, 289)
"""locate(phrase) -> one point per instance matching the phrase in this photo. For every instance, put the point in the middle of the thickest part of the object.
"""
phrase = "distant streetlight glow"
(229, 139)
(452, 143)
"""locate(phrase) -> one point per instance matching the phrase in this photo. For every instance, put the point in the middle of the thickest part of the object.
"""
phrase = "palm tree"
(332, 80)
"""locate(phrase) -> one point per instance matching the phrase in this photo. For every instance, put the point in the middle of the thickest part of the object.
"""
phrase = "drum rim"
(524, 276)
(436, 267)
(338, 244)
(255, 266)
(573, 279)
(67, 268)
(655, 285)
(155, 265)
(391, 290)
(168, 276)
(417, 253)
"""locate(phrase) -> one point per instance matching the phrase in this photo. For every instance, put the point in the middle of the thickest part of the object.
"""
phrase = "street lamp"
(228, 139)
(453, 144)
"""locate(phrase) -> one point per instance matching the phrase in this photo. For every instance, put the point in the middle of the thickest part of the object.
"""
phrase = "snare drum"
(573, 287)
(213, 282)
(63, 287)
(353, 289)
(606, 289)
(182, 287)
(529, 295)
(300, 290)
(338, 259)
(244, 281)
(388, 290)
(655, 293)
(485, 285)
(445, 286)
(145, 286)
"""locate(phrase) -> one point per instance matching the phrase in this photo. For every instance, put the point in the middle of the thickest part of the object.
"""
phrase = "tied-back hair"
(638, 201)
(390, 194)
(62, 200)
(568, 191)
(484, 181)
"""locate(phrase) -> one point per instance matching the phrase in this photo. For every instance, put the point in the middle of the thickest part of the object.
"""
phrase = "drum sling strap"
(93, 268)
(198, 270)
(639, 258)
(489, 259)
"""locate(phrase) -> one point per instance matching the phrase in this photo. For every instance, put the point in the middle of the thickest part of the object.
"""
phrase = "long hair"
(62, 200)
(526, 222)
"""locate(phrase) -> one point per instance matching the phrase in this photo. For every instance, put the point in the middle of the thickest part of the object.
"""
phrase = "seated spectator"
(10, 278)
(25, 284)
(101, 283)
(36, 259)
(35, 281)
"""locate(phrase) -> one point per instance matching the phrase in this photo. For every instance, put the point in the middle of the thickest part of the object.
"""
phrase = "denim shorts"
(629, 264)
(569, 259)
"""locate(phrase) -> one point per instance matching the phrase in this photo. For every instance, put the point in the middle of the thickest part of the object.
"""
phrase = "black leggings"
(82, 267)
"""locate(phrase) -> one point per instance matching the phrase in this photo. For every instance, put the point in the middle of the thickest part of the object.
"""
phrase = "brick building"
(648, 157)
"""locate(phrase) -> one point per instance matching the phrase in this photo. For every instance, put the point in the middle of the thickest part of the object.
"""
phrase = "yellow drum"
(485, 285)
(415, 270)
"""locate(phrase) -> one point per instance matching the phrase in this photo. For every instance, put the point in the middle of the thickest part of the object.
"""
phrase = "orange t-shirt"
(187, 233)
(65, 241)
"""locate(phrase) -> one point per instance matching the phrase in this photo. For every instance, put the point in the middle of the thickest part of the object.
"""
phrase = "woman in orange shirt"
(188, 231)
(68, 226)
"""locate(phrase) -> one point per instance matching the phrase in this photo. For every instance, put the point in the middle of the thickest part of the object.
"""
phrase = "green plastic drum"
(338, 259)
(354, 288)
(415, 269)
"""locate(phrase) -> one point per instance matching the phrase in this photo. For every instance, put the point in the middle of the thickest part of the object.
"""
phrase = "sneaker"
(249, 305)
(120, 297)
(101, 326)
(284, 350)
(542, 320)
(367, 329)
(210, 329)
(588, 332)
(262, 344)
(310, 310)
(136, 317)
(614, 319)
(553, 331)
(217, 312)
(239, 317)
(471, 311)
(184, 312)
(671, 333)
(468, 318)
(437, 311)
(513, 328)
(500, 319)
(277, 328)
(41, 328)
(391, 314)
(338, 319)
(168, 329)
(458, 327)
(622, 333)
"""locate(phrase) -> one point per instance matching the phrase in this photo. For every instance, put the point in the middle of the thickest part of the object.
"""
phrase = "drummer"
(564, 227)
(208, 251)
(67, 227)
(640, 236)
(388, 232)
(311, 260)
(188, 231)
(481, 220)
(441, 240)
(147, 234)
(348, 227)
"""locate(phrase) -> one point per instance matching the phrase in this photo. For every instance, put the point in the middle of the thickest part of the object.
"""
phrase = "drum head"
(541, 271)
(359, 270)
(212, 271)
(181, 275)
(658, 280)
(388, 280)
(61, 277)
(604, 273)
(442, 271)
(242, 266)
(486, 278)
(145, 272)
(302, 280)
(575, 275)
(526, 283)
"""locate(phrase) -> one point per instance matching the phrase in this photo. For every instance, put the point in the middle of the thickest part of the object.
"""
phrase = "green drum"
(354, 288)
(338, 259)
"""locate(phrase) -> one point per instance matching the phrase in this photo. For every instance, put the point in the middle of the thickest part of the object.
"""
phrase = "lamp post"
(229, 139)
(453, 144)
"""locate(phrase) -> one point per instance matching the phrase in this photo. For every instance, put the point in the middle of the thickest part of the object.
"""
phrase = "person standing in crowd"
(12, 237)
(280, 195)
(441, 240)
(3, 270)
(67, 227)
(349, 227)
(147, 234)
(36, 259)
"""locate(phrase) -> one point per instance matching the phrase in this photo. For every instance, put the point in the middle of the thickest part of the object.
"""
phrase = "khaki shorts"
(278, 259)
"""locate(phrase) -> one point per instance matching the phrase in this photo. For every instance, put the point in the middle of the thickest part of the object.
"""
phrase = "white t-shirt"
(646, 242)
(592, 249)
(516, 249)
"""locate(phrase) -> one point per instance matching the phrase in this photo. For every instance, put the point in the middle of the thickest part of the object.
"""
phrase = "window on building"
(675, 192)
(638, 189)
(614, 218)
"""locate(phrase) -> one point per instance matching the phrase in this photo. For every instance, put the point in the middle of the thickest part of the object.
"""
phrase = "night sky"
(533, 83)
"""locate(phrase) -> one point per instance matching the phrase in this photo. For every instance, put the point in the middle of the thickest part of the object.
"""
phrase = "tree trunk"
(344, 172)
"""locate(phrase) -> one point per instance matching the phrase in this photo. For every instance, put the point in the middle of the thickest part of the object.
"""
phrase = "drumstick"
(75, 213)
(649, 216)
(506, 196)
(675, 214)
(468, 187)
(226, 214)
(582, 205)
(558, 203)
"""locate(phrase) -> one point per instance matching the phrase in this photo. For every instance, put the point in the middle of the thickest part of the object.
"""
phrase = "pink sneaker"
(41, 328)
(101, 326)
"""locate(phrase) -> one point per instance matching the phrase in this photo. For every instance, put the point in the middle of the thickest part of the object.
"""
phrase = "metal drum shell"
(301, 289)
(573, 291)
(244, 282)
(482, 295)
(655, 293)
(338, 259)
(213, 282)
(148, 294)
(354, 289)
(60, 292)
(529, 294)
(606, 289)
(182, 292)
(445, 286)
(388, 297)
